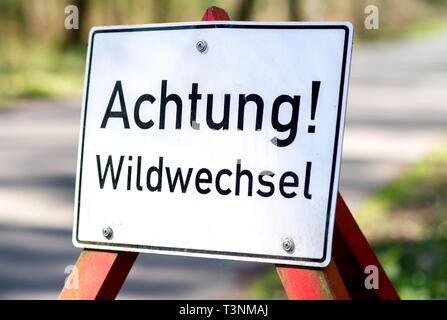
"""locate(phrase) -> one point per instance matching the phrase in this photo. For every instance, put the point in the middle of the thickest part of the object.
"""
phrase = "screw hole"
(201, 46)
(288, 245)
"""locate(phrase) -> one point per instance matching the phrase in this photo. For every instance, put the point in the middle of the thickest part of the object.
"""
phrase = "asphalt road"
(397, 113)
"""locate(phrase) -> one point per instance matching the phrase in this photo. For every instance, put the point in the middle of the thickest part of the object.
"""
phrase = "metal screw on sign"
(107, 232)
(201, 46)
(288, 245)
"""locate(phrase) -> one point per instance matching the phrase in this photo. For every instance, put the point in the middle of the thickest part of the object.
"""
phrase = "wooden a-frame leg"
(356, 260)
(313, 283)
(98, 275)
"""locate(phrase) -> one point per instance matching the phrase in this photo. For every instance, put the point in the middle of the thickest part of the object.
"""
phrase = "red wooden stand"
(100, 274)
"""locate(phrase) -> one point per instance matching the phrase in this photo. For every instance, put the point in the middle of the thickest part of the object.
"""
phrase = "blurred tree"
(120, 11)
(244, 11)
(438, 3)
(161, 10)
(10, 12)
(295, 10)
(73, 37)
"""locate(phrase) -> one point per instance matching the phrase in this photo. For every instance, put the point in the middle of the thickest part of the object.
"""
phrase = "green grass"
(406, 225)
(418, 269)
(267, 287)
(39, 71)
(416, 29)
(406, 222)
(419, 196)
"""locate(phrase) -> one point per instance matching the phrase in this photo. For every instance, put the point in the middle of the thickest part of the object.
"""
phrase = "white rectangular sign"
(213, 139)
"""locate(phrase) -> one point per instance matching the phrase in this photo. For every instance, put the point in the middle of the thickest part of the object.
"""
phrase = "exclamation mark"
(313, 110)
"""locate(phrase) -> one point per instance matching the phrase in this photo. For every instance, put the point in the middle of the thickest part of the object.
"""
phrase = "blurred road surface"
(397, 113)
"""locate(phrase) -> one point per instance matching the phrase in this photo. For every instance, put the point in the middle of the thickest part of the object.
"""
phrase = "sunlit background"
(394, 168)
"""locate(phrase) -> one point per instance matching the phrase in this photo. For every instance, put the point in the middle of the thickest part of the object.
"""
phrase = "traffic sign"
(215, 139)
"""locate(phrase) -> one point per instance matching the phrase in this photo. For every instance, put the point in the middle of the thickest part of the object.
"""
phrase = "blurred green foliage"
(420, 194)
(407, 222)
(416, 268)
(40, 72)
(267, 286)
(39, 57)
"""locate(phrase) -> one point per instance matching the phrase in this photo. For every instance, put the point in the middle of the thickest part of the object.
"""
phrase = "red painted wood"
(98, 275)
(352, 254)
(215, 14)
(312, 283)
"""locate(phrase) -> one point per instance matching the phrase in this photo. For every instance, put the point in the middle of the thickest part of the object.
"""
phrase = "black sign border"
(211, 26)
